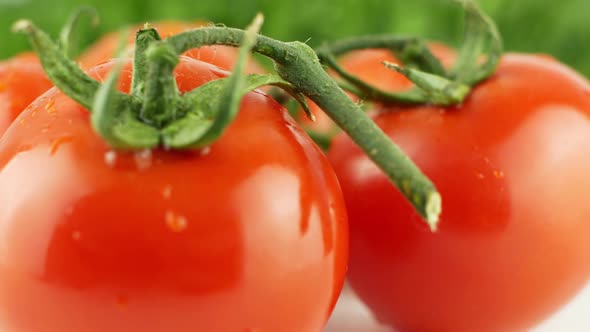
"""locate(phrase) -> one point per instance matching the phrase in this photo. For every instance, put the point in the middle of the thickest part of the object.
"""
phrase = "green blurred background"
(560, 28)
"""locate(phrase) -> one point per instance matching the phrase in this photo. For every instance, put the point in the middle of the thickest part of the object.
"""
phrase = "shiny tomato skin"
(106, 47)
(248, 235)
(22, 79)
(513, 243)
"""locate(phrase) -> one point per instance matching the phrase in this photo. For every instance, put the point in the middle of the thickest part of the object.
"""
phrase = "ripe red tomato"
(248, 235)
(22, 79)
(368, 66)
(512, 166)
(222, 56)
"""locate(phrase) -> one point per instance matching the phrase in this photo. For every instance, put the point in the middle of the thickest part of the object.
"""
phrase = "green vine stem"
(69, 33)
(434, 85)
(298, 64)
(143, 38)
(198, 117)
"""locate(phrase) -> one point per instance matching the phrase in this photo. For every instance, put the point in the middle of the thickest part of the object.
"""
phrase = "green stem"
(481, 39)
(411, 51)
(63, 72)
(408, 49)
(161, 100)
(69, 33)
(143, 39)
(298, 64)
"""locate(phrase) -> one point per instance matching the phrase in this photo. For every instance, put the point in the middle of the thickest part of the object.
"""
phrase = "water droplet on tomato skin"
(498, 174)
(167, 192)
(143, 159)
(56, 143)
(24, 148)
(76, 235)
(175, 222)
(110, 158)
(205, 151)
(50, 106)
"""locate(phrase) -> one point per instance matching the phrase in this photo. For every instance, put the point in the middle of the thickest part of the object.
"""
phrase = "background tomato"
(22, 79)
(247, 235)
(514, 238)
(106, 47)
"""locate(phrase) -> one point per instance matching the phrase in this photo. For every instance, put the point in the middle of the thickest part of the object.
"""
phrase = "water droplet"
(480, 175)
(205, 151)
(176, 222)
(110, 158)
(167, 192)
(50, 106)
(56, 143)
(143, 159)
(24, 147)
(498, 174)
(76, 235)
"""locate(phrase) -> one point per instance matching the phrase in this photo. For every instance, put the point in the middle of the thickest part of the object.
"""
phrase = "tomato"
(512, 167)
(247, 235)
(106, 47)
(22, 79)
(368, 65)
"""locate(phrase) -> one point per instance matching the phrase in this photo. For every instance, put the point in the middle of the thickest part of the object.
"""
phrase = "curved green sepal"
(439, 90)
(69, 33)
(213, 105)
(418, 56)
(62, 71)
(113, 118)
(143, 39)
(196, 129)
(368, 91)
(481, 38)
(161, 98)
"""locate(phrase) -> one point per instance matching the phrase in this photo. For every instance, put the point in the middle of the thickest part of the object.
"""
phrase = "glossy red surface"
(513, 168)
(247, 235)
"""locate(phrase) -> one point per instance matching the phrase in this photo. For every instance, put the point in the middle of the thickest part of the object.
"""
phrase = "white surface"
(351, 315)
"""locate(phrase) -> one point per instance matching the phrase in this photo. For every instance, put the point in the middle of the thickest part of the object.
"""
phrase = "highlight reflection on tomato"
(247, 235)
(513, 243)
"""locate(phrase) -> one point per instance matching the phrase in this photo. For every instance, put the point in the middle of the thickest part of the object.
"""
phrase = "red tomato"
(368, 66)
(222, 56)
(249, 235)
(513, 243)
(22, 79)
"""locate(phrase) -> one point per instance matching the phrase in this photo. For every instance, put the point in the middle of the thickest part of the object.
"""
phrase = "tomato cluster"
(257, 231)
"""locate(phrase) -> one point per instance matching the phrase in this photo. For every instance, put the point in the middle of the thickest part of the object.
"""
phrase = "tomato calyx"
(68, 37)
(478, 58)
(155, 115)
